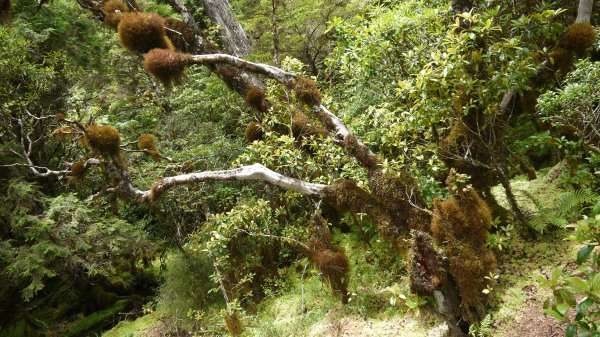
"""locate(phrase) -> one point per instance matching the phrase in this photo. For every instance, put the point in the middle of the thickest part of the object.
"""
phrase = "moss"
(180, 35)
(364, 156)
(234, 323)
(578, 38)
(188, 167)
(460, 225)
(330, 259)
(166, 65)
(142, 32)
(254, 131)
(306, 90)
(113, 12)
(103, 138)
(301, 127)
(59, 117)
(562, 60)
(96, 321)
(147, 142)
(134, 328)
(255, 97)
(393, 192)
(78, 170)
(346, 197)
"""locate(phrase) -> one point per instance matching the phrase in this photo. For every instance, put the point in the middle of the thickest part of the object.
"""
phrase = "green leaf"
(571, 330)
(562, 309)
(553, 313)
(568, 297)
(584, 253)
(577, 283)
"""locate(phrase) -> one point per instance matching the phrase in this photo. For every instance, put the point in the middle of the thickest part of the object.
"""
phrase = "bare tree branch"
(255, 172)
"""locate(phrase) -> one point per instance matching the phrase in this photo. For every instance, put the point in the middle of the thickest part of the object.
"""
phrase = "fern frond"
(570, 201)
(534, 200)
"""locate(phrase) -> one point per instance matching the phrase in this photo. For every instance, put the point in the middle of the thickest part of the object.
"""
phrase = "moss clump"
(302, 128)
(147, 142)
(96, 321)
(59, 117)
(180, 35)
(103, 138)
(393, 191)
(142, 32)
(562, 60)
(364, 156)
(306, 90)
(254, 131)
(77, 170)
(113, 12)
(460, 225)
(188, 167)
(346, 197)
(255, 97)
(578, 38)
(166, 65)
(234, 323)
(330, 259)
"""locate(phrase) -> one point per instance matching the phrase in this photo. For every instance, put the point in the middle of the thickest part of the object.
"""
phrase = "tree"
(393, 200)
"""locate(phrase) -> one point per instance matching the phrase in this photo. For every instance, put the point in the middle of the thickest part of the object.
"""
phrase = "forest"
(300, 168)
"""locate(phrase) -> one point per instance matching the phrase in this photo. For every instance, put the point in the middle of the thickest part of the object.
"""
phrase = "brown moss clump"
(77, 170)
(234, 323)
(330, 259)
(59, 117)
(562, 60)
(113, 12)
(103, 138)
(301, 127)
(188, 167)
(141, 32)
(306, 90)
(393, 191)
(180, 35)
(346, 197)
(147, 143)
(460, 225)
(364, 156)
(578, 37)
(166, 65)
(255, 97)
(254, 131)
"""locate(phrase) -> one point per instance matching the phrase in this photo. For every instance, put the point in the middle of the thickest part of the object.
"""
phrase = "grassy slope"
(305, 307)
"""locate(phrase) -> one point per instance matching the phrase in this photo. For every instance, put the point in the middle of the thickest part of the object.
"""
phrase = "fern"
(483, 329)
(569, 204)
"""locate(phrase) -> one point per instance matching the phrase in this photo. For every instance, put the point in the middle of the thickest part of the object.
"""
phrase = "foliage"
(578, 289)
(483, 329)
(568, 205)
(62, 237)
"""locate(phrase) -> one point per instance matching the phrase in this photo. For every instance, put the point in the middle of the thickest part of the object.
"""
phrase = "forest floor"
(303, 306)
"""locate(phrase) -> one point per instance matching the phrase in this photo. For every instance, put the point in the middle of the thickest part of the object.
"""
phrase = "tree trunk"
(275, 32)
(232, 34)
(584, 12)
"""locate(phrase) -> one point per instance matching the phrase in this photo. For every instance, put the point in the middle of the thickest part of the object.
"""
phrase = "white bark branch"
(275, 73)
(255, 172)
